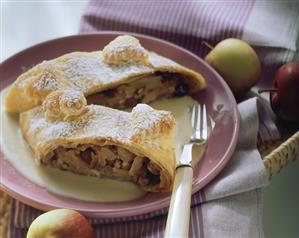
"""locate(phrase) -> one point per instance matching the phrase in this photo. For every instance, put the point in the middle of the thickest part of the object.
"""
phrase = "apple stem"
(208, 45)
(263, 90)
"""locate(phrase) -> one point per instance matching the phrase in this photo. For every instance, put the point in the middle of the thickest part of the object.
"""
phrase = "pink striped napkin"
(231, 205)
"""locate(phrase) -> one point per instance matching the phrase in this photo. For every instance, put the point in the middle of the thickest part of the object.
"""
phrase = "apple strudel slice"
(68, 134)
(120, 76)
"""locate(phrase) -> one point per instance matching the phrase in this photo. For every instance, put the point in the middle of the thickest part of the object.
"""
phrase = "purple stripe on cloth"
(145, 225)
(150, 227)
(24, 215)
(13, 231)
(200, 215)
(186, 23)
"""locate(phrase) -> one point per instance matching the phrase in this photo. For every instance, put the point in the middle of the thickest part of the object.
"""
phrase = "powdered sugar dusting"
(71, 95)
(89, 70)
(60, 129)
(146, 119)
(121, 43)
(47, 82)
(52, 130)
(72, 103)
(125, 49)
(84, 71)
(99, 122)
(36, 125)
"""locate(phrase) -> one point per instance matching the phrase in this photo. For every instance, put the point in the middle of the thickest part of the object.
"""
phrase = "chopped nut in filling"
(109, 161)
(142, 90)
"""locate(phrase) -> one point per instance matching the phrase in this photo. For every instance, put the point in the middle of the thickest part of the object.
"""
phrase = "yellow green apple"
(60, 223)
(237, 62)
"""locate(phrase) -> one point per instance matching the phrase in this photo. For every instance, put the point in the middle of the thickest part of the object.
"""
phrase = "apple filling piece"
(107, 161)
(142, 90)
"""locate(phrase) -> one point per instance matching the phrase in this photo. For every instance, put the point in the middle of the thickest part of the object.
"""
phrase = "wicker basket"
(276, 156)
(280, 156)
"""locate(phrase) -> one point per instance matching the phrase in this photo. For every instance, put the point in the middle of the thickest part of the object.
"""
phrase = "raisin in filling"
(142, 90)
(110, 161)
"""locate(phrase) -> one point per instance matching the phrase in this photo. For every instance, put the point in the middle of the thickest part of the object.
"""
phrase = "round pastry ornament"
(64, 104)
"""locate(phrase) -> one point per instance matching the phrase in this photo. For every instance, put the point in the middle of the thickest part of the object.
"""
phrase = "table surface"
(25, 23)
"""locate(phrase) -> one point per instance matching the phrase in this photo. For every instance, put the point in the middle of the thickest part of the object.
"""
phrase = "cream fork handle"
(179, 211)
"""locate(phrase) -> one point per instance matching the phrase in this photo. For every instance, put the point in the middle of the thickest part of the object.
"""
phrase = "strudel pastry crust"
(120, 76)
(99, 141)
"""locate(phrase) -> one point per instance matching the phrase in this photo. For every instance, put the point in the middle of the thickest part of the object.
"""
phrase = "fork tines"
(199, 122)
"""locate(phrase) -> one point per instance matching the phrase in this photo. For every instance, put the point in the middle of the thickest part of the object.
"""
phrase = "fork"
(179, 211)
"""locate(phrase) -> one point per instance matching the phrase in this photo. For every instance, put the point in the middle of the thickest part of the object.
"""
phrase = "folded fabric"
(230, 206)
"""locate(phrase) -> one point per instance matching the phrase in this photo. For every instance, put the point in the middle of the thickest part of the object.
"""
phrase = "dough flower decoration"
(64, 104)
(125, 49)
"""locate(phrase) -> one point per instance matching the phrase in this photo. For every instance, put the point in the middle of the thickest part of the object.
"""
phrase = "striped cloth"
(230, 206)
(185, 23)
(270, 26)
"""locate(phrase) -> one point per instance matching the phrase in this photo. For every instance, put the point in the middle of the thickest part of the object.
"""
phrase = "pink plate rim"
(22, 189)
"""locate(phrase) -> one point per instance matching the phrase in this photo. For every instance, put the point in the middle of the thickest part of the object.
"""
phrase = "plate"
(221, 107)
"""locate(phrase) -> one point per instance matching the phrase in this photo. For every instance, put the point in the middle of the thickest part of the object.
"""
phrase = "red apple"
(284, 96)
(60, 223)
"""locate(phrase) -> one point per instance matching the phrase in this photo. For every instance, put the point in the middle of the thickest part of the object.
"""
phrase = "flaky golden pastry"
(121, 76)
(148, 123)
(64, 104)
(106, 142)
(123, 50)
